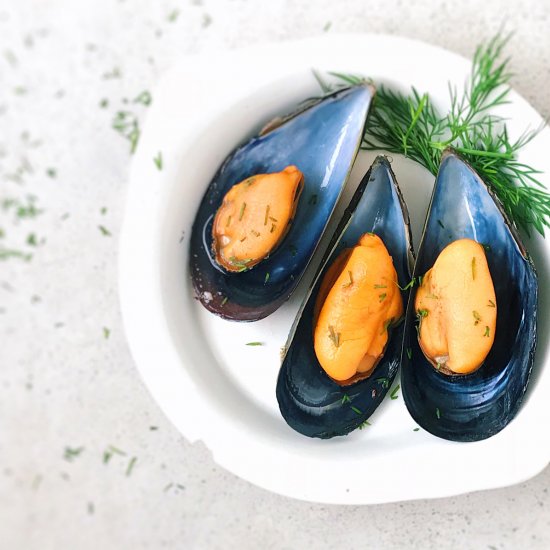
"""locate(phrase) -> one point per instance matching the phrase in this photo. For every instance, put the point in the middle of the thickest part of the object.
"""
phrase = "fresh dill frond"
(411, 125)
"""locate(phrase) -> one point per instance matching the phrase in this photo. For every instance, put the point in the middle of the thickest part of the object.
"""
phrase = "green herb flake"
(416, 429)
(106, 333)
(409, 353)
(387, 324)
(356, 410)
(384, 382)
(31, 239)
(327, 26)
(144, 98)
(51, 172)
(255, 233)
(103, 210)
(393, 394)
(241, 213)
(266, 214)
(266, 278)
(104, 103)
(71, 453)
(364, 424)
(345, 399)
(131, 465)
(228, 223)
(410, 284)
(380, 286)
(477, 317)
(255, 344)
(104, 231)
(473, 268)
(491, 304)
(487, 332)
(382, 297)
(437, 413)
(334, 336)
(224, 301)
(173, 15)
(158, 161)
(273, 226)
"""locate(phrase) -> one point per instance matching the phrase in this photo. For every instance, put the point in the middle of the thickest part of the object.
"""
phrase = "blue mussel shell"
(478, 405)
(322, 140)
(310, 402)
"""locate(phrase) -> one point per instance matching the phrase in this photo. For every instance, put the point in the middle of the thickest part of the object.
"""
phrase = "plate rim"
(144, 357)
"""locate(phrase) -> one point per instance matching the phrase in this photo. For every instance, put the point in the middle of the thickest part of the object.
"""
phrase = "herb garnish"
(241, 213)
(387, 324)
(71, 453)
(382, 297)
(224, 301)
(255, 344)
(144, 98)
(255, 233)
(364, 424)
(411, 125)
(410, 284)
(381, 286)
(487, 332)
(158, 160)
(334, 336)
(345, 399)
(473, 268)
(409, 353)
(477, 317)
(266, 214)
(104, 231)
(228, 223)
(393, 394)
(266, 277)
(106, 333)
(437, 413)
(491, 304)
(131, 465)
(384, 382)
(356, 410)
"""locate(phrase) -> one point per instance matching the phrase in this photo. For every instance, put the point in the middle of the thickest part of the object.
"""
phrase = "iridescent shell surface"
(322, 140)
(311, 402)
(478, 405)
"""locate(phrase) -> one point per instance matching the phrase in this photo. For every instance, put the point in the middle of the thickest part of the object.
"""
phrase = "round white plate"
(211, 385)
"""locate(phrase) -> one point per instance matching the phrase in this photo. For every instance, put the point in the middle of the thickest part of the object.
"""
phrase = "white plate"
(211, 385)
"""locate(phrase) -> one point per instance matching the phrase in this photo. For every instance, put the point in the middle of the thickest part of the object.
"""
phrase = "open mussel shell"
(322, 140)
(311, 402)
(475, 406)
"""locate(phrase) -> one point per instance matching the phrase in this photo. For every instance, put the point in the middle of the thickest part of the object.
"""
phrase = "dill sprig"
(411, 125)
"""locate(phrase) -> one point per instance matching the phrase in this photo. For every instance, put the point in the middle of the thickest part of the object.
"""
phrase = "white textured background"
(66, 377)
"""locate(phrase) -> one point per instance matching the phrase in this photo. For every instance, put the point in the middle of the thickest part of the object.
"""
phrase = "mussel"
(476, 405)
(310, 401)
(321, 139)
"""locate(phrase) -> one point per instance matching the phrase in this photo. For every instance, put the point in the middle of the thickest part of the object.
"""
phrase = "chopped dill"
(393, 394)
(241, 213)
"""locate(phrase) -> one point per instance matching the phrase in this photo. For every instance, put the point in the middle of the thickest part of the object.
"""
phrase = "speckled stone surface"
(68, 387)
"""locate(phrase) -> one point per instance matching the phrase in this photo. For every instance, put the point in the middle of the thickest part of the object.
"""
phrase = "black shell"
(310, 402)
(478, 405)
(322, 140)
